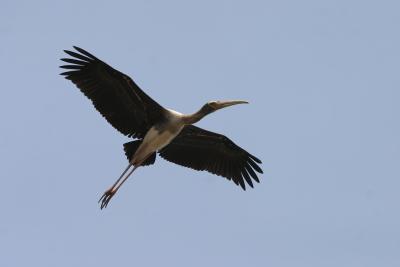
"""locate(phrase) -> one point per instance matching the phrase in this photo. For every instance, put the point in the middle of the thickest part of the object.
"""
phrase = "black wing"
(203, 150)
(116, 96)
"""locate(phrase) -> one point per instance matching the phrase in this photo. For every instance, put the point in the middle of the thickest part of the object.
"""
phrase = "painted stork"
(155, 128)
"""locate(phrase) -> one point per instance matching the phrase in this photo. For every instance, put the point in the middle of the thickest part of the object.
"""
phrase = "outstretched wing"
(203, 150)
(116, 96)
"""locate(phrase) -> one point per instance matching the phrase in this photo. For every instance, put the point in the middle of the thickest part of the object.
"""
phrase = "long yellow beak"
(228, 103)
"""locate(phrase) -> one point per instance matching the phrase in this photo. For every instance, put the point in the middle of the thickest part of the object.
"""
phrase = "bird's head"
(212, 106)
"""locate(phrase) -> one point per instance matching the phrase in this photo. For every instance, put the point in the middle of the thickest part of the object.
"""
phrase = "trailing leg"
(106, 197)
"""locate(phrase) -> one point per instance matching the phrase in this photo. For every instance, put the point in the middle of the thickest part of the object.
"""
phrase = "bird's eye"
(212, 104)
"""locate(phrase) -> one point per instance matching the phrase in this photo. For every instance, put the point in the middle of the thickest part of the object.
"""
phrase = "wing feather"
(116, 96)
(203, 150)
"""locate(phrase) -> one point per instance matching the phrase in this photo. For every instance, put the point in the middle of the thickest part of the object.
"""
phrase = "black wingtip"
(240, 179)
(255, 166)
(84, 52)
(66, 73)
(255, 159)
(246, 176)
(71, 67)
(243, 186)
(86, 57)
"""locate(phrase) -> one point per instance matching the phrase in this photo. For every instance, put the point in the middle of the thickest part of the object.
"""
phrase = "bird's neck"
(195, 117)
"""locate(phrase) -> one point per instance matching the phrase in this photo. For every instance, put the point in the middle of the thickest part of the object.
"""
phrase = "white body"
(159, 136)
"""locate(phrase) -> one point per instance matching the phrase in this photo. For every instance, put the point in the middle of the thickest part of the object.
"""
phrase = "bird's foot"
(106, 197)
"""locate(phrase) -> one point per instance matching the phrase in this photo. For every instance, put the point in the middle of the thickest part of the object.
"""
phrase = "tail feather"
(130, 149)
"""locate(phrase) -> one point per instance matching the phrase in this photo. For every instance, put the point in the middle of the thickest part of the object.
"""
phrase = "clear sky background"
(323, 81)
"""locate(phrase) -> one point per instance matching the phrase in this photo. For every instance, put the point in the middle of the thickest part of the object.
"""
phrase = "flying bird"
(156, 129)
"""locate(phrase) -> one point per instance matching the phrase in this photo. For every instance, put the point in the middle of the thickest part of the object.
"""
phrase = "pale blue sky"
(323, 81)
